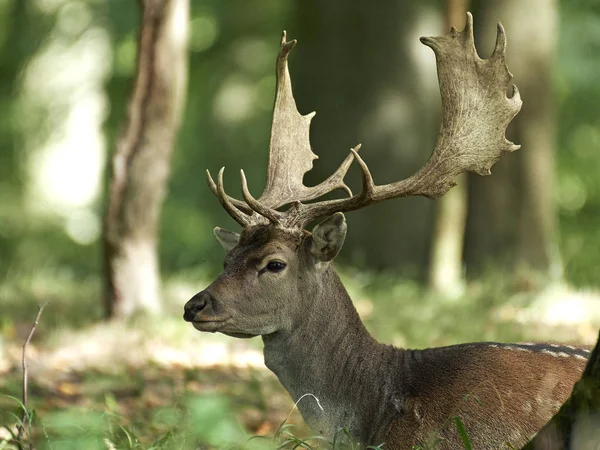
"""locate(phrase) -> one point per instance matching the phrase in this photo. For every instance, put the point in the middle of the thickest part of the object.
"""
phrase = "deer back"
(502, 393)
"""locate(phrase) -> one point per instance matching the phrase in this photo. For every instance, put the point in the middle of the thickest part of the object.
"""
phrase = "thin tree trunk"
(512, 216)
(446, 260)
(141, 160)
(371, 81)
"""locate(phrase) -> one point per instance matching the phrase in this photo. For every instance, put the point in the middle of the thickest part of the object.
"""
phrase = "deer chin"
(236, 334)
(219, 326)
(211, 326)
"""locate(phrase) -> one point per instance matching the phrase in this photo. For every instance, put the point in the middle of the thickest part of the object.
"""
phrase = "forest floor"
(132, 384)
(143, 384)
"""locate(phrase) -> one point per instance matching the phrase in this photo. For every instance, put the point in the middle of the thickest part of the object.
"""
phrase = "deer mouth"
(239, 335)
(211, 326)
(218, 326)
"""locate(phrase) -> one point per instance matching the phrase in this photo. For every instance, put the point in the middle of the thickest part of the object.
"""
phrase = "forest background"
(513, 256)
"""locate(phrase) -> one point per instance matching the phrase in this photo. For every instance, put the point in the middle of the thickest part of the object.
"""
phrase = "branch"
(25, 417)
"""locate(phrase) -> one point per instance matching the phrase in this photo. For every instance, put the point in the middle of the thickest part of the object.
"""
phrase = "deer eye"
(275, 266)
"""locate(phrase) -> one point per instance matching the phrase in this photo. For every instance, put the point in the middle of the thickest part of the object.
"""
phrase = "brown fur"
(501, 395)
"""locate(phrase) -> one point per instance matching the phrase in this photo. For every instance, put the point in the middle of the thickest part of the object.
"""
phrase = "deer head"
(267, 278)
(275, 263)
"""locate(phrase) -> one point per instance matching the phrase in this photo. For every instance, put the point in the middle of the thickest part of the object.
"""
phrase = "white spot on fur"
(417, 413)
(519, 349)
(555, 405)
(580, 357)
(527, 407)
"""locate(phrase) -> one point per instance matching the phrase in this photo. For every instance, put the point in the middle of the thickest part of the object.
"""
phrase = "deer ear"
(328, 237)
(228, 239)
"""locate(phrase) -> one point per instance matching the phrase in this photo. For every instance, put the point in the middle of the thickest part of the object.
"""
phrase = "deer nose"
(195, 305)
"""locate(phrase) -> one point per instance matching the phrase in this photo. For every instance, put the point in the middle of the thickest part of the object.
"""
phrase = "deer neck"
(330, 356)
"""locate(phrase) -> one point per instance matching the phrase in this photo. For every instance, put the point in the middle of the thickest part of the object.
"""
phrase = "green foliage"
(231, 59)
(578, 189)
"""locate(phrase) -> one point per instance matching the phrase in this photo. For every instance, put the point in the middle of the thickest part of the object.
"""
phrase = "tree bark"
(512, 216)
(370, 80)
(141, 160)
(577, 424)
(446, 260)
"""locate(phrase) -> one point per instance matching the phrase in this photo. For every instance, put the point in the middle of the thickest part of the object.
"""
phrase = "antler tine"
(475, 114)
(500, 47)
(237, 203)
(300, 214)
(235, 213)
(367, 179)
(290, 155)
(271, 214)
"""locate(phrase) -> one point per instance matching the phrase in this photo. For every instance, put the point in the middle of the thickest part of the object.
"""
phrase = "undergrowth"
(202, 422)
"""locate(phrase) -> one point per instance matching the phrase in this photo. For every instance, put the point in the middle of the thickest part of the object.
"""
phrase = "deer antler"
(475, 113)
(290, 156)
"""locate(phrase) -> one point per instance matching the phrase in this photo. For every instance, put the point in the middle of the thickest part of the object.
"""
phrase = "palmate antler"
(475, 113)
(290, 157)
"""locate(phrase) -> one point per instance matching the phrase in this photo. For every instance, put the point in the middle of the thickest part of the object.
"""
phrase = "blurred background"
(512, 256)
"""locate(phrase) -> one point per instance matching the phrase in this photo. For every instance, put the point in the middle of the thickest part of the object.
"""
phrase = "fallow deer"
(279, 283)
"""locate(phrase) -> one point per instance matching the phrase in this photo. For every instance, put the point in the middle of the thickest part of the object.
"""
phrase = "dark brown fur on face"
(257, 237)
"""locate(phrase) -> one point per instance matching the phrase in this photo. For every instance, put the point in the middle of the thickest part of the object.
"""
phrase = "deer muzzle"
(199, 306)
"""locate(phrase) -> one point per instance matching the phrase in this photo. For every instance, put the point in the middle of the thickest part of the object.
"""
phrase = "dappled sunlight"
(575, 312)
(423, 59)
(65, 80)
(204, 31)
(49, 6)
(234, 102)
(396, 311)
(115, 346)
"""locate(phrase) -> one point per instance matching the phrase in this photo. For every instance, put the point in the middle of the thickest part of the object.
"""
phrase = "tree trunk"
(370, 80)
(577, 424)
(446, 260)
(141, 160)
(512, 213)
